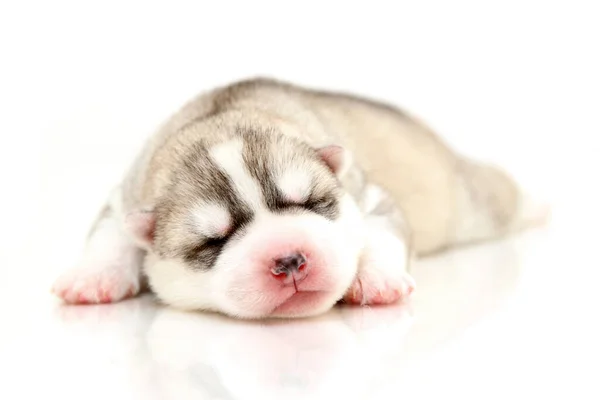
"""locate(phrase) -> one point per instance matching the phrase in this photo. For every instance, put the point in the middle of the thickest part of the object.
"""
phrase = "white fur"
(108, 271)
(236, 291)
(371, 198)
(211, 220)
(295, 184)
(384, 250)
(241, 286)
(228, 157)
(384, 264)
(341, 248)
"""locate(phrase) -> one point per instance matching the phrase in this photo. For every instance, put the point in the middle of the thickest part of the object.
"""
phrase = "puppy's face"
(255, 226)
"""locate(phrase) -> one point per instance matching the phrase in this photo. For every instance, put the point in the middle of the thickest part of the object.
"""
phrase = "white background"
(82, 84)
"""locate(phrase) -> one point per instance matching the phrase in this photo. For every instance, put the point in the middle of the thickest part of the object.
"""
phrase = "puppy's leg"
(110, 267)
(491, 204)
(382, 276)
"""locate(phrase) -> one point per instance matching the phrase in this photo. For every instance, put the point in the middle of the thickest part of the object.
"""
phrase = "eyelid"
(290, 204)
(214, 241)
(308, 204)
(223, 238)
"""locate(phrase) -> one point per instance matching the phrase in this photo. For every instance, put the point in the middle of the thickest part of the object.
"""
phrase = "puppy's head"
(254, 226)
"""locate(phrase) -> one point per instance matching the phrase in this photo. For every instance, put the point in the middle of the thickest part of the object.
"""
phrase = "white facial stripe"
(212, 220)
(228, 157)
(295, 184)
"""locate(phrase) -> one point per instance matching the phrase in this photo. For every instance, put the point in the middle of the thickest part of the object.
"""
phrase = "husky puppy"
(264, 199)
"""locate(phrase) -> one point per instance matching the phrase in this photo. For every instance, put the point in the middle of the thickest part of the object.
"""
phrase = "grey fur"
(281, 123)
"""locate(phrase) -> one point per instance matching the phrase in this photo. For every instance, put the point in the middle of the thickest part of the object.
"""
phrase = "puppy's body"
(238, 156)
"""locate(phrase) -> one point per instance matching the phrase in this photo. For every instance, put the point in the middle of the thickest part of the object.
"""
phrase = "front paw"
(85, 285)
(374, 287)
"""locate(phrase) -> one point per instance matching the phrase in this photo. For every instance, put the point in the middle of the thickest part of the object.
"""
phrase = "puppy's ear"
(337, 158)
(141, 225)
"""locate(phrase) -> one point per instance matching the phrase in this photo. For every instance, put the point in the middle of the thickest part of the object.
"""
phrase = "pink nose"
(291, 269)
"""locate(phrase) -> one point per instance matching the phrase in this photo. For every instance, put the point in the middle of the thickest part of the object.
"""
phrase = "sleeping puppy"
(263, 199)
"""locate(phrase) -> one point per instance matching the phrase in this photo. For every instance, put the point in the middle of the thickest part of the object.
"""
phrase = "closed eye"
(215, 242)
(317, 204)
(206, 252)
(325, 206)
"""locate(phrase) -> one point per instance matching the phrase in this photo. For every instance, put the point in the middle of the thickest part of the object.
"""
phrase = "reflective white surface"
(515, 82)
(500, 320)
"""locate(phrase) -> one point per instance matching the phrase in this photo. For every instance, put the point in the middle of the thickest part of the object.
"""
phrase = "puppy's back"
(432, 184)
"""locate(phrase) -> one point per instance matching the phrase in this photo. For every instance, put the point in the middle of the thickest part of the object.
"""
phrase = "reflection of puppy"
(341, 354)
(264, 199)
